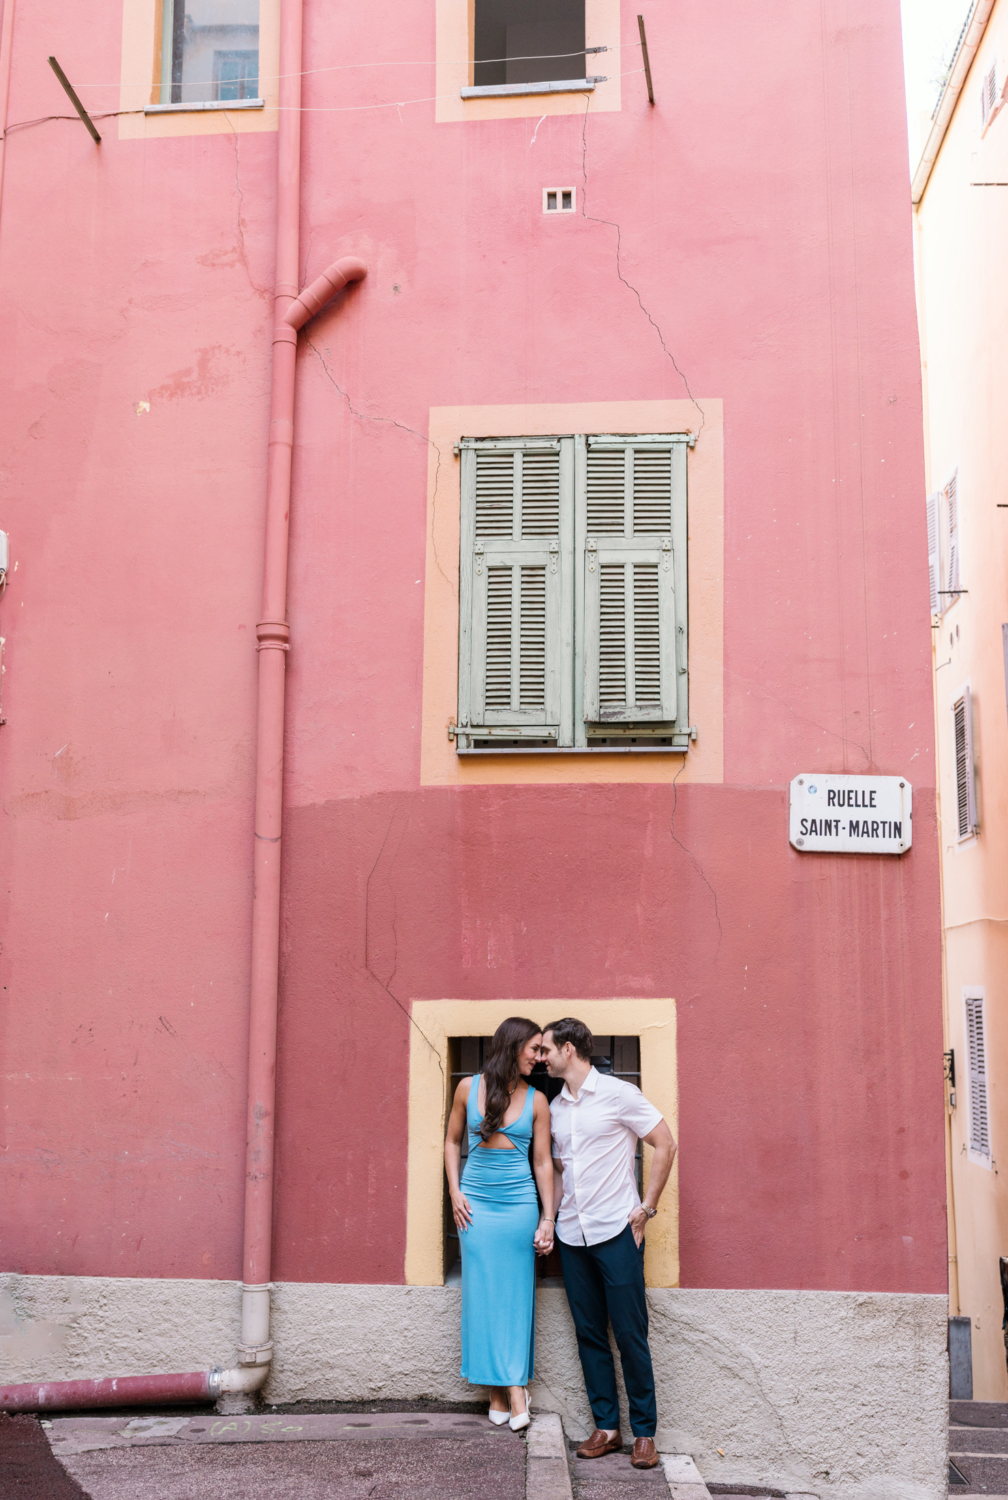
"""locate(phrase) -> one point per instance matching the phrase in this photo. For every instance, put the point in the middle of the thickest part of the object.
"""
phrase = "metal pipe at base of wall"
(133, 1390)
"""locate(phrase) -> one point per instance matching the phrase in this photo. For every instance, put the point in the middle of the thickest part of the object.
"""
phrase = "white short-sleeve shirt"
(595, 1137)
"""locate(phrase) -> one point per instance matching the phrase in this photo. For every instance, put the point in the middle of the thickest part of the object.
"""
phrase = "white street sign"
(851, 814)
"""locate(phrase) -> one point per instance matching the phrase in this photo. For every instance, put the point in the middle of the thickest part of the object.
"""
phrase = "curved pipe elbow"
(244, 1380)
(333, 279)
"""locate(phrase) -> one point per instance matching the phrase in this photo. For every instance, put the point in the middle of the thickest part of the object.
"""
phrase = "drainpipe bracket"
(255, 1354)
(273, 635)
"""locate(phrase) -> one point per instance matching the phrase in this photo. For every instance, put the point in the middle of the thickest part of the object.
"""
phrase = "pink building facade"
(729, 299)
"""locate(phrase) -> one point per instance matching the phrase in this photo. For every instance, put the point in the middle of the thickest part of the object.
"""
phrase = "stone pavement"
(378, 1455)
(323, 1455)
(315, 1456)
(407, 1455)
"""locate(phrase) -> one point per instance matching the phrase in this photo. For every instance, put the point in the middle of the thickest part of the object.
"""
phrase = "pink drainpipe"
(291, 312)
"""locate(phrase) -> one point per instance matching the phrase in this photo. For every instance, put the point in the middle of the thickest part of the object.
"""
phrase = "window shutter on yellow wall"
(952, 514)
(951, 549)
(976, 1048)
(632, 571)
(934, 562)
(962, 738)
(516, 590)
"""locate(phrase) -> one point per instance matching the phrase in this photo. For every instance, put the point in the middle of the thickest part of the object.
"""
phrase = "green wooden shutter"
(516, 593)
(632, 518)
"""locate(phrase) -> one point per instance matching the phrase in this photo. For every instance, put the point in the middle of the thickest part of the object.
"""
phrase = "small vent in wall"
(559, 200)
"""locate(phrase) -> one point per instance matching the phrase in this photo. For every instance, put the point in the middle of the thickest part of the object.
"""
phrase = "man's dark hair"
(573, 1031)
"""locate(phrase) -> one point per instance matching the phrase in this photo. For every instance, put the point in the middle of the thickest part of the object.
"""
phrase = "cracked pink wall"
(763, 209)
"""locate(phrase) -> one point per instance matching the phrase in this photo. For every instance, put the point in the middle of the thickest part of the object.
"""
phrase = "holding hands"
(543, 1238)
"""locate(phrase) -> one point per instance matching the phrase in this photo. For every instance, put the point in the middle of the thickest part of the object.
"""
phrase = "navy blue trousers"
(605, 1284)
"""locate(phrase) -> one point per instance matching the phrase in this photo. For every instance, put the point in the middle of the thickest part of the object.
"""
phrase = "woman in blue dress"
(499, 1223)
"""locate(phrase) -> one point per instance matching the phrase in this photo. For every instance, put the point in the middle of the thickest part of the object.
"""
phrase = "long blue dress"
(498, 1257)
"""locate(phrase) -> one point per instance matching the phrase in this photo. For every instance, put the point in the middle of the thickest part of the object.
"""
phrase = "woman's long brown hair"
(500, 1070)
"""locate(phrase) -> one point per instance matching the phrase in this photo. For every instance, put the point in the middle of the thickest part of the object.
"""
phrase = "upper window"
(528, 41)
(573, 610)
(209, 51)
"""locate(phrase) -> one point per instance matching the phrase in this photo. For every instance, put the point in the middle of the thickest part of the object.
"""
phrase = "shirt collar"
(587, 1087)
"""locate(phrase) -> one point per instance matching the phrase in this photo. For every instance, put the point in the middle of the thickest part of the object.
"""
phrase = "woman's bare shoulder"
(540, 1105)
(462, 1092)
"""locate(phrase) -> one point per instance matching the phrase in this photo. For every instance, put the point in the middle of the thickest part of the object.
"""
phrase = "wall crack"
(403, 427)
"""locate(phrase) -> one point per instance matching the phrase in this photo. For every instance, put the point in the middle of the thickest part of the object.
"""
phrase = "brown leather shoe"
(645, 1454)
(598, 1445)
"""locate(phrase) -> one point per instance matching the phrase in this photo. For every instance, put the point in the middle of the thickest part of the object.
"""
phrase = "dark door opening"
(615, 1055)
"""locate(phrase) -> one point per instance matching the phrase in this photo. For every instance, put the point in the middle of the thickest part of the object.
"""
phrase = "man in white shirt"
(596, 1120)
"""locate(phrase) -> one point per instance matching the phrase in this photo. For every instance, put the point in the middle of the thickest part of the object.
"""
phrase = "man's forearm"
(554, 1212)
(661, 1166)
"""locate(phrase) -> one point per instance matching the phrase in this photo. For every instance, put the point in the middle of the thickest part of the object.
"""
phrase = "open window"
(209, 51)
(618, 1056)
(528, 41)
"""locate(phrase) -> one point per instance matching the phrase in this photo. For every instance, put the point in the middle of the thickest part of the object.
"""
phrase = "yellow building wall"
(961, 233)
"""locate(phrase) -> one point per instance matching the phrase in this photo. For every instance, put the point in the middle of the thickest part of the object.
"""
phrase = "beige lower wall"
(836, 1394)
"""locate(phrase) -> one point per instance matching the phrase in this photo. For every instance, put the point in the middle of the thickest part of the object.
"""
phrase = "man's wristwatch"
(649, 1211)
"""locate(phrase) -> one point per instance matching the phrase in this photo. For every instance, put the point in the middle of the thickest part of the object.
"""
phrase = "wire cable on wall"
(414, 62)
(304, 109)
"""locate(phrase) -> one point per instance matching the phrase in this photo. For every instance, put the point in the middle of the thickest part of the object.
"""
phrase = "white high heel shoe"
(498, 1418)
(522, 1420)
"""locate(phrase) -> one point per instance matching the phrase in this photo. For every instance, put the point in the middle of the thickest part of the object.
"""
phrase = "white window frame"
(973, 996)
(945, 544)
